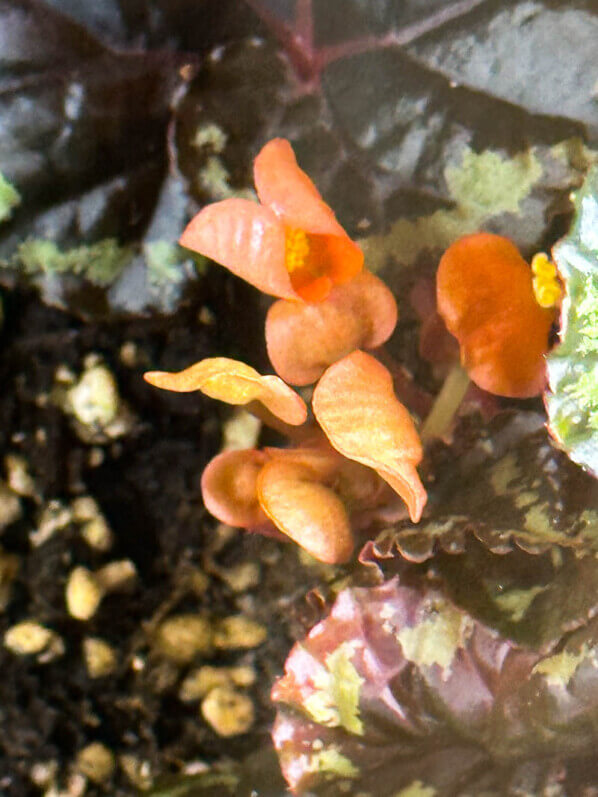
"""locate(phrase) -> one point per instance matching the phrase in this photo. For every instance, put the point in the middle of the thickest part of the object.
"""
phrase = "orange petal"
(355, 405)
(246, 238)
(485, 295)
(322, 460)
(404, 480)
(285, 188)
(304, 339)
(229, 488)
(305, 510)
(235, 383)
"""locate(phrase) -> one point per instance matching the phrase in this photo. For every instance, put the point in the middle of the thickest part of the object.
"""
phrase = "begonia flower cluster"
(361, 448)
(358, 449)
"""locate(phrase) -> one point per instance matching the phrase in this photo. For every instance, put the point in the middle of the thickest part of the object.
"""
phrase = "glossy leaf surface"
(524, 493)
(572, 401)
(399, 688)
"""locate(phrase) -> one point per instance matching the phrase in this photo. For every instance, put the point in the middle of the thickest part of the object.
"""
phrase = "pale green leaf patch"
(9, 198)
(336, 699)
(331, 762)
(516, 602)
(436, 639)
(483, 187)
(100, 263)
(572, 401)
(560, 668)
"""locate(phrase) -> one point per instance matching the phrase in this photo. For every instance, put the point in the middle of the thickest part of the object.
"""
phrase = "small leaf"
(572, 401)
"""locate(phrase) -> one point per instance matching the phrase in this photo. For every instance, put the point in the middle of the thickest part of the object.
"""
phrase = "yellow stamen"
(546, 284)
(296, 249)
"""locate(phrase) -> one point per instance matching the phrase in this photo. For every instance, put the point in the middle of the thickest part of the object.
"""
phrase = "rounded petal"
(355, 404)
(305, 510)
(304, 339)
(246, 238)
(234, 382)
(229, 488)
(284, 187)
(486, 298)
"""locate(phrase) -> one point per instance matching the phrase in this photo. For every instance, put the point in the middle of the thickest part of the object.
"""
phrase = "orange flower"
(486, 298)
(355, 404)
(290, 245)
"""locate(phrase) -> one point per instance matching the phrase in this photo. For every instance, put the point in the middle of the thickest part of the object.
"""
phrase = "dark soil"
(147, 486)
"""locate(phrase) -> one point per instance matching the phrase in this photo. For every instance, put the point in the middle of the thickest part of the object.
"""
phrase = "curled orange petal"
(229, 487)
(235, 383)
(304, 339)
(306, 510)
(245, 237)
(485, 296)
(355, 405)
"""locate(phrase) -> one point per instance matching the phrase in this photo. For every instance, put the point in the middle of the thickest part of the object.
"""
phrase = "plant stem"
(447, 403)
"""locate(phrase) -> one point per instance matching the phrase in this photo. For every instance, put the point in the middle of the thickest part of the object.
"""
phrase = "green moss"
(586, 313)
(487, 184)
(164, 261)
(585, 391)
(9, 198)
